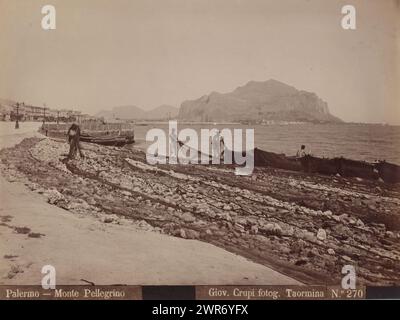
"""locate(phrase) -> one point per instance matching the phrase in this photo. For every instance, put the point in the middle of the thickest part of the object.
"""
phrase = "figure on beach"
(173, 144)
(302, 152)
(74, 136)
(218, 145)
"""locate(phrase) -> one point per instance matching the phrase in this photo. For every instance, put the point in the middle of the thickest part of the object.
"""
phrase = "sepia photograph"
(199, 150)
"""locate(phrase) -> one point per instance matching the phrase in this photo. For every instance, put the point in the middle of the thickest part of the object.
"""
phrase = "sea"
(368, 142)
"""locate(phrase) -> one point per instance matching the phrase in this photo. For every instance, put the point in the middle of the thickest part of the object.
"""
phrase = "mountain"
(257, 101)
(162, 112)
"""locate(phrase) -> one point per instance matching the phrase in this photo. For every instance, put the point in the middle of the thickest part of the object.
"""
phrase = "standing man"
(74, 136)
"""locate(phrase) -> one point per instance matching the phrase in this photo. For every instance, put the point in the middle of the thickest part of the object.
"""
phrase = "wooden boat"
(388, 172)
(269, 159)
(108, 140)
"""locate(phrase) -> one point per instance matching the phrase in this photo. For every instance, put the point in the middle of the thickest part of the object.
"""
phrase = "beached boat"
(388, 172)
(108, 140)
(112, 134)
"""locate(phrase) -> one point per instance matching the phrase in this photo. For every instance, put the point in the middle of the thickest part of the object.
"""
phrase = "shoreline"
(306, 227)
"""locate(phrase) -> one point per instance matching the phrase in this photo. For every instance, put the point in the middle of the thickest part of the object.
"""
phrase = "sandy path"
(84, 248)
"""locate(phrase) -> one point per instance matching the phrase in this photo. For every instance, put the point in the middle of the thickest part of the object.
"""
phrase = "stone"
(108, 219)
(390, 234)
(307, 235)
(360, 223)
(239, 227)
(331, 251)
(346, 258)
(298, 246)
(144, 225)
(182, 233)
(336, 218)
(188, 217)
(269, 227)
(254, 229)
(192, 234)
(321, 234)
(53, 196)
(277, 229)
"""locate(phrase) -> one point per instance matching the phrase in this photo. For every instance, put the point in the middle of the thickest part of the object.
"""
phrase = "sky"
(152, 52)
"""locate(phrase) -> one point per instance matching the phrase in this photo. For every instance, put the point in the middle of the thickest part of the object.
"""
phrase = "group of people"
(217, 144)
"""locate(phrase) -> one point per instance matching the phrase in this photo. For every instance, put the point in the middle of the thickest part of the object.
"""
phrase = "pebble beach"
(303, 226)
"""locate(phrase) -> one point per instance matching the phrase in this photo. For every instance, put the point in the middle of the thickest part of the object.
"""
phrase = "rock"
(192, 234)
(288, 231)
(328, 213)
(336, 218)
(277, 229)
(360, 223)
(321, 234)
(108, 219)
(227, 207)
(208, 232)
(307, 235)
(346, 258)
(239, 227)
(188, 217)
(331, 251)
(298, 246)
(254, 229)
(182, 233)
(268, 228)
(144, 225)
(53, 196)
(390, 234)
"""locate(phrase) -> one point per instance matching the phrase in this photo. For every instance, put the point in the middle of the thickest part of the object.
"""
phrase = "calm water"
(362, 142)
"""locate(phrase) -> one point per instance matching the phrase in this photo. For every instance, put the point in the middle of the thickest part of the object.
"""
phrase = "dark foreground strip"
(206, 292)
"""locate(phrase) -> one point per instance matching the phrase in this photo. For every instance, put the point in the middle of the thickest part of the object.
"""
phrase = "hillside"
(258, 101)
